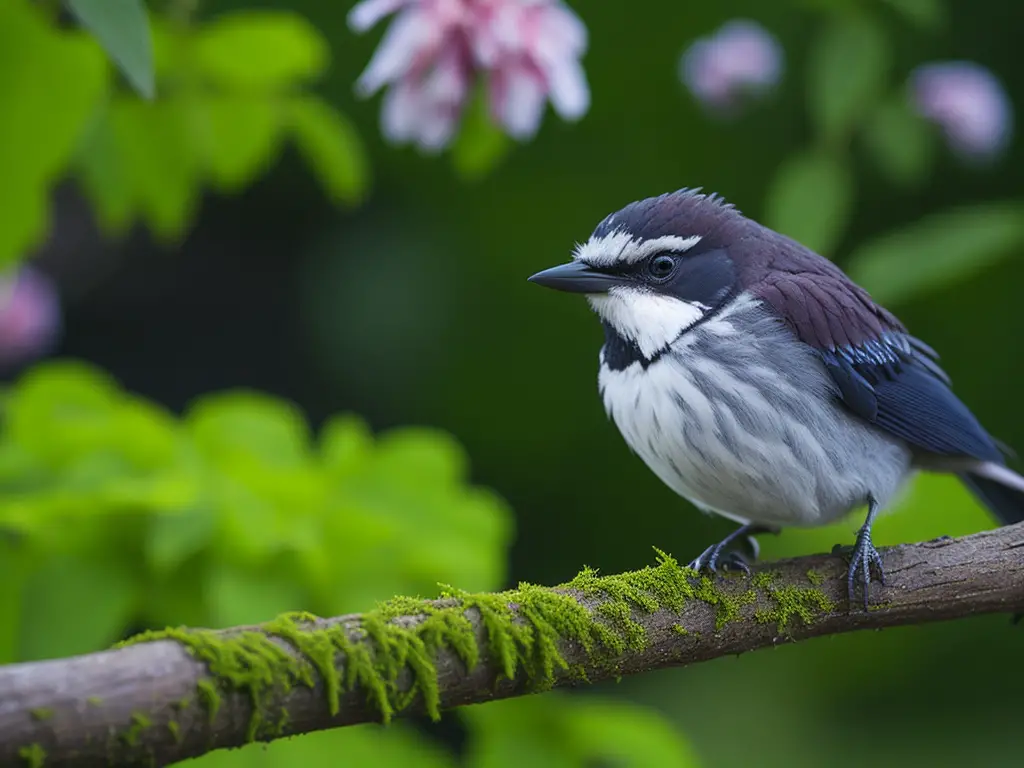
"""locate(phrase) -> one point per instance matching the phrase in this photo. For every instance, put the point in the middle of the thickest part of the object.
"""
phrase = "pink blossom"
(740, 60)
(968, 103)
(528, 52)
(29, 316)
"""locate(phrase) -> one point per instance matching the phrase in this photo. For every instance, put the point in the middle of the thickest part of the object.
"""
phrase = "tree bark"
(138, 704)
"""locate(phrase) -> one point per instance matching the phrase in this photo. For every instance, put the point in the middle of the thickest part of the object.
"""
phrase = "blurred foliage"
(122, 28)
(226, 107)
(116, 514)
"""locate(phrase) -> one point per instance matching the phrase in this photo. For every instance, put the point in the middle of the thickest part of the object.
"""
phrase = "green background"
(404, 300)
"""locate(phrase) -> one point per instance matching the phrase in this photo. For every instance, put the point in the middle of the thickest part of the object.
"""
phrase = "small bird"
(756, 380)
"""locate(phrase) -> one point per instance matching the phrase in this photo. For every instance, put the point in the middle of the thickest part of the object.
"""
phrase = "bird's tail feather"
(998, 488)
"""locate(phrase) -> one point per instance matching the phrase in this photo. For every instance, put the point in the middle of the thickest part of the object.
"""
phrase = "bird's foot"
(728, 554)
(722, 555)
(863, 557)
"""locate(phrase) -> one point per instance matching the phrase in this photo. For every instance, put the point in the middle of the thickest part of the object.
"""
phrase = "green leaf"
(848, 67)
(95, 598)
(14, 565)
(926, 14)
(50, 85)
(122, 28)
(243, 135)
(939, 250)
(239, 597)
(260, 50)
(398, 745)
(810, 200)
(556, 730)
(331, 147)
(104, 175)
(900, 143)
(174, 537)
(158, 157)
(480, 145)
(237, 424)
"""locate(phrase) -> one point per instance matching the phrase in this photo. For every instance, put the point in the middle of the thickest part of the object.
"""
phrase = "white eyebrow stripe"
(620, 247)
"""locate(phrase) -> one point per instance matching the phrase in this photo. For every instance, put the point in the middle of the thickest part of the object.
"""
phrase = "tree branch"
(165, 699)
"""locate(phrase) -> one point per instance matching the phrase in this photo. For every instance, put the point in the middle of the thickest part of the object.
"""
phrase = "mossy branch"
(166, 696)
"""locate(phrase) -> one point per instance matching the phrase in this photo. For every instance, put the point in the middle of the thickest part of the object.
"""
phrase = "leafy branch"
(163, 697)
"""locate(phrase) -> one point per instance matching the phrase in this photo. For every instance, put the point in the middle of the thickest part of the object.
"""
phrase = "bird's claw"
(724, 555)
(863, 557)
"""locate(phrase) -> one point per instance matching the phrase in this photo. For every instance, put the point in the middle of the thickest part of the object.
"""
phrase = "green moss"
(620, 616)
(815, 578)
(140, 722)
(175, 729)
(790, 603)
(94, 701)
(33, 756)
(41, 713)
(679, 629)
(206, 689)
(523, 632)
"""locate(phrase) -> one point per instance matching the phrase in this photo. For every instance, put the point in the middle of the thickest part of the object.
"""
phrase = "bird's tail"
(1000, 489)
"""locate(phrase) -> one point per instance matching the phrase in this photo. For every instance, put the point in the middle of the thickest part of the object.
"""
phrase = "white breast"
(742, 423)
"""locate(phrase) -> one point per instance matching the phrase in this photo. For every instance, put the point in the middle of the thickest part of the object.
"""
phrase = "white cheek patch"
(620, 247)
(649, 320)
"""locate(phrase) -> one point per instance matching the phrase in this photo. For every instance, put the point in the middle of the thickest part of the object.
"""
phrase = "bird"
(762, 384)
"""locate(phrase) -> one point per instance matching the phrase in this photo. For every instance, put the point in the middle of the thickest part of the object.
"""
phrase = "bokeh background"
(296, 366)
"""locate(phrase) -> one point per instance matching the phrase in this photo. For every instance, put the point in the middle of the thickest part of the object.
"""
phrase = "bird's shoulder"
(884, 374)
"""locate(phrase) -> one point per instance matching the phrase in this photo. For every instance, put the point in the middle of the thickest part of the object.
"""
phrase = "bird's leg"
(725, 554)
(864, 556)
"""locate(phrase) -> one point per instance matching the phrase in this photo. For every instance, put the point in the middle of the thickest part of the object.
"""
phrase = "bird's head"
(657, 267)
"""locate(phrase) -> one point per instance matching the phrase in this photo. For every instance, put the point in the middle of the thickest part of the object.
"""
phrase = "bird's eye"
(661, 267)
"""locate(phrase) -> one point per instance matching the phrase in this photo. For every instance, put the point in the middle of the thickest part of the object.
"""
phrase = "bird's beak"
(575, 277)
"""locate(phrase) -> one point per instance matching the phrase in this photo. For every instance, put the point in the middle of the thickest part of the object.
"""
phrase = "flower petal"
(570, 94)
(517, 100)
(409, 38)
(367, 13)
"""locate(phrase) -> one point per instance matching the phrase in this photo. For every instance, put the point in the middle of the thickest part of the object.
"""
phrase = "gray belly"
(740, 419)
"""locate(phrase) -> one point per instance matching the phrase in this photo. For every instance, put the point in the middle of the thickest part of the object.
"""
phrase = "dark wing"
(883, 374)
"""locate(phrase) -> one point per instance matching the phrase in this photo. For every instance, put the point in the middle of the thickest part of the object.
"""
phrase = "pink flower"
(740, 60)
(29, 317)
(527, 50)
(968, 103)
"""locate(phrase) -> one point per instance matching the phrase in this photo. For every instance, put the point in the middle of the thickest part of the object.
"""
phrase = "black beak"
(576, 277)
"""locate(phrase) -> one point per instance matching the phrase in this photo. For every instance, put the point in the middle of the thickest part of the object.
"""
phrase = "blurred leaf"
(13, 567)
(265, 50)
(94, 597)
(172, 538)
(561, 730)
(249, 424)
(480, 145)
(927, 14)
(810, 200)
(899, 142)
(122, 27)
(938, 250)
(346, 444)
(159, 160)
(243, 135)
(848, 67)
(104, 176)
(398, 745)
(50, 84)
(331, 147)
(238, 597)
